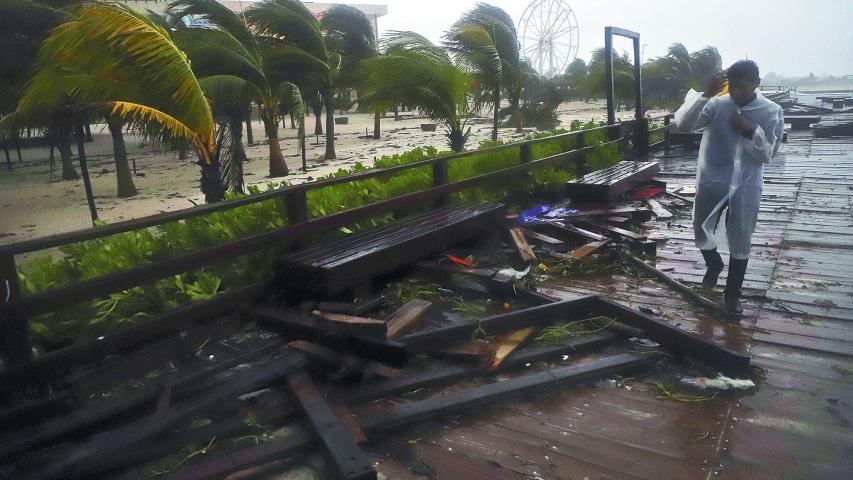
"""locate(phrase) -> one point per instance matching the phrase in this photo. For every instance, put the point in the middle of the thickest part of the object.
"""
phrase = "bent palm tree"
(230, 48)
(295, 51)
(485, 42)
(108, 56)
(417, 73)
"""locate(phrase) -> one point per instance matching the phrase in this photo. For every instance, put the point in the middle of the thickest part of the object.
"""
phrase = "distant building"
(373, 12)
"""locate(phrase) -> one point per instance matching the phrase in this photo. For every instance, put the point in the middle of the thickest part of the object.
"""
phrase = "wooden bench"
(802, 122)
(352, 262)
(608, 184)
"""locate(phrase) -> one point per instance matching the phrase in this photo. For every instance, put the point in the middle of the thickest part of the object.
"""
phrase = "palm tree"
(417, 73)
(623, 76)
(251, 66)
(485, 42)
(24, 24)
(318, 54)
(666, 78)
(109, 57)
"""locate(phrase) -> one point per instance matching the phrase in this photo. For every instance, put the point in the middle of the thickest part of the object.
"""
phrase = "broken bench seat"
(608, 184)
(352, 262)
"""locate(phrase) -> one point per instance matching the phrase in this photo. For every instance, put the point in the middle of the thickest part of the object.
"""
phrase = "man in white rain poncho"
(742, 131)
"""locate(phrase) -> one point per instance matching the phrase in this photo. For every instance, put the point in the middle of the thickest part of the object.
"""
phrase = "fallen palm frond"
(664, 392)
(559, 333)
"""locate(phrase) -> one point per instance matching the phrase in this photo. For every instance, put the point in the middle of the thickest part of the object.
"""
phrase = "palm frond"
(114, 42)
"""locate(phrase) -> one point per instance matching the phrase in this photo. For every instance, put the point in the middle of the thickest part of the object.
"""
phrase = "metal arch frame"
(608, 65)
(574, 31)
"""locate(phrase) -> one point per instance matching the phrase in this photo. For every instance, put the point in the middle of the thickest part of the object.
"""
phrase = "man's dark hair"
(743, 71)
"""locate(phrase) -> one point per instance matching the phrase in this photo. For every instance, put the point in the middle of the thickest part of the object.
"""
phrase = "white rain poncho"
(730, 166)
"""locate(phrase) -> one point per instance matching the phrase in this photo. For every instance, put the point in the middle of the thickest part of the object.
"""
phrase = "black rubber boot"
(734, 282)
(714, 262)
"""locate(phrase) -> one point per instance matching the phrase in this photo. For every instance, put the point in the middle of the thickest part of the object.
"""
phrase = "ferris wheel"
(549, 36)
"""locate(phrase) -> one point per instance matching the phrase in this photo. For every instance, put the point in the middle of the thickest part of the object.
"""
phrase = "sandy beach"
(35, 202)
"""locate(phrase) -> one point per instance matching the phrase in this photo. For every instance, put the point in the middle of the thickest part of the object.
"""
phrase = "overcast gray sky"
(789, 37)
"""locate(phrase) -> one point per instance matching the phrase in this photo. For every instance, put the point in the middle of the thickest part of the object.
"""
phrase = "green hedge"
(103, 256)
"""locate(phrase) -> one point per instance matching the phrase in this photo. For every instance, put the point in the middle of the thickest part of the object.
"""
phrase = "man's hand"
(716, 85)
(742, 125)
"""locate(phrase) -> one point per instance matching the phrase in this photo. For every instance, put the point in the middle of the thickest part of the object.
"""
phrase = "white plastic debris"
(511, 272)
(722, 382)
(643, 342)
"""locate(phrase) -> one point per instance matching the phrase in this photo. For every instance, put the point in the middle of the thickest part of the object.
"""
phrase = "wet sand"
(35, 202)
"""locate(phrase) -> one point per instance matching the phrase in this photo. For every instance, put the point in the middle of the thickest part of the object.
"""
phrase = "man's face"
(742, 91)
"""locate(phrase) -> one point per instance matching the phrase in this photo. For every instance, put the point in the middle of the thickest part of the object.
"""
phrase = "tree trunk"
(278, 167)
(125, 187)
(293, 121)
(516, 109)
(238, 156)
(211, 184)
(318, 123)
(376, 117)
(250, 139)
(6, 150)
(18, 147)
(497, 112)
(88, 132)
(84, 168)
(68, 171)
(330, 128)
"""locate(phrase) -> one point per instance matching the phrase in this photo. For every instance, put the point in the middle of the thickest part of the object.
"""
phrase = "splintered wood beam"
(580, 231)
(585, 250)
(451, 373)
(407, 413)
(347, 460)
(470, 351)
(541, 237)
(617, 219)
(406, 316)
(679, 287)
(232, 426)
(498, 324)
(75, 460)
(658, 209)
(351, 325)
(524, 250)
(299, 326)
(618, 231)
(503, 345)
(675, 339)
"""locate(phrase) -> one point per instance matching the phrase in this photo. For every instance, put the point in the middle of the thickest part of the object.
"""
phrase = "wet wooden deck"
(798, 327)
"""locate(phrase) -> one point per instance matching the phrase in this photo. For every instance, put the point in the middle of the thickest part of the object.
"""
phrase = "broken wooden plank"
(658, 209)
(406, 316)
(298, 439)
(503, 345)
(580, 231)
(452, 373)
(585, 250)
(347, 363)
(346, 459)
(617, 219)
(542, 238)
(351, 325)
(59, 428)
(675, 339)
(498, 324)
(358, 308)
(407, 413)
(521, 245)
(296, 325)
(470, 351)
(616, 230)
(684, 290)
(74, 461)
